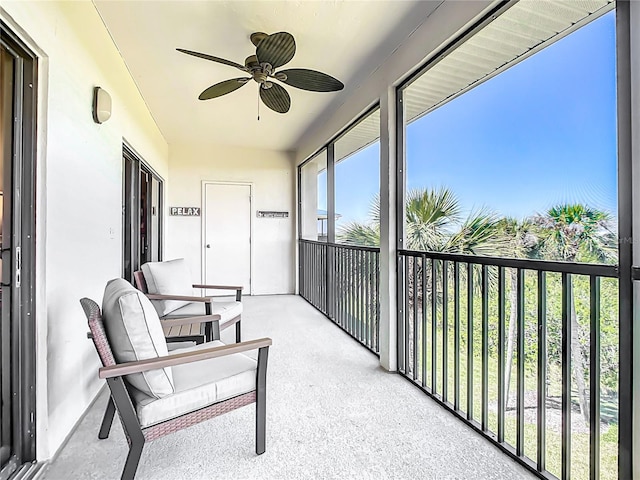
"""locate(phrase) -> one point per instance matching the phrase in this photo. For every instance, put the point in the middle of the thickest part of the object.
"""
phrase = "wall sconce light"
(101, 105)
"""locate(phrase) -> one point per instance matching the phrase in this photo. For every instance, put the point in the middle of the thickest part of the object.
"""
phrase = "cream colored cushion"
(198, 385)
(226, 310)
(134, 332)
(168, 278)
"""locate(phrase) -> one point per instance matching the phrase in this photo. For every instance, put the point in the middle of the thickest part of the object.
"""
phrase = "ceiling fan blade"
(276, 49)
(213, 59)
(310, 80)
(223, 88)
(276, 98)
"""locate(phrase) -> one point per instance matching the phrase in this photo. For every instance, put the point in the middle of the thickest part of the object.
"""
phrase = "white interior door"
(227, 238)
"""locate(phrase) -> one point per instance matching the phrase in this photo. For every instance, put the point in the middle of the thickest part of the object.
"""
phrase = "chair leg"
(107, 420)
(238, 332)
(261, 397)
(131, 425)
(133, 458)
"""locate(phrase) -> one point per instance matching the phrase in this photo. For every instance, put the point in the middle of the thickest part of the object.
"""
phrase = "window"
(357, 183)
(313, 198)
(511, 151)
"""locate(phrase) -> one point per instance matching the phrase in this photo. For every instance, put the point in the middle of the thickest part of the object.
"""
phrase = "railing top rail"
(341, 245)
(597, 269)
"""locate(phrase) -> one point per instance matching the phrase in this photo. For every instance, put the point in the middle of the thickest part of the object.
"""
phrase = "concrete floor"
(332, 412)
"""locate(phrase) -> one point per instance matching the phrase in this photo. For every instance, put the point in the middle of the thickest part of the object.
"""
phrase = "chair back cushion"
(135, 333)
(168, 278)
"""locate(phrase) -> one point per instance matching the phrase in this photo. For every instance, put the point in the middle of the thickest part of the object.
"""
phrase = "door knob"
(208, 245)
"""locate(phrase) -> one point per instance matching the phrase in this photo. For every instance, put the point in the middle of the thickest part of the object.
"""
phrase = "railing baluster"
(367, 300)
(566, 377)
(424, 321)
(311, 273)
(434, 326)
(377, 312)
(358, 294)
(469, 341)
(520, 364)
(371, 298)
(501, 366)
(594, 380)
(445, 329)
(314, 279)
(415, 318)
(340, 293)
(362, 297)
(542, 370)
(406, 316)
(456, 336)
(485, 348)
(303, 270)
(323, 278)
(400, 265)
(350, 298)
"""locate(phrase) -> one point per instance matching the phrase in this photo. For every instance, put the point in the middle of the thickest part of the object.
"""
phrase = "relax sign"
(185, 211)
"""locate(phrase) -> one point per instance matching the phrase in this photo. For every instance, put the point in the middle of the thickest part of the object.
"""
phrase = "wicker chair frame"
(121, 399)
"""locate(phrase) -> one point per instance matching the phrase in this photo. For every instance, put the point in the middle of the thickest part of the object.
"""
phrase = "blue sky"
(541, 133)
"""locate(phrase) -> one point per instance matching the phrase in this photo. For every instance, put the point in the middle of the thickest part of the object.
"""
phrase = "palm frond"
(359, 234)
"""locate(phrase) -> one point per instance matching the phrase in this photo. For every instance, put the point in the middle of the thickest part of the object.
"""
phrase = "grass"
(579, 439)
(579, 436)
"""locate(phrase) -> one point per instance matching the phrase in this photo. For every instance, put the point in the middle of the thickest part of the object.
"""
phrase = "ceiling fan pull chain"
(258, 102)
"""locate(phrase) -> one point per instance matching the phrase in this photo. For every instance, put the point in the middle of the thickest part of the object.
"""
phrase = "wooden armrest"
(181, 358)
(228, 323)
(157, 296)
(173, 322)
(219, 287)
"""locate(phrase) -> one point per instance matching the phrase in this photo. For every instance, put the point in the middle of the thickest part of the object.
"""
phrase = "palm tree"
(433, 223)
(573, 233)
(522, 241)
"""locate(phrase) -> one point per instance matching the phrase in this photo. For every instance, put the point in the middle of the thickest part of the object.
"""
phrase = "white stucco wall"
(79, 197)
(271, 174)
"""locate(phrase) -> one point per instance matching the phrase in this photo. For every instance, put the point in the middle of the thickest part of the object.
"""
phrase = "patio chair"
(156, 393)
(168, 285)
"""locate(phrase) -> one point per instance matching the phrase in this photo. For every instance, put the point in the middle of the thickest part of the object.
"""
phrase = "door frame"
(23, 313)
(203, 229)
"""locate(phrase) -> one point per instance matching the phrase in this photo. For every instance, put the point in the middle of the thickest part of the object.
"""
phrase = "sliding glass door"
(142, 214)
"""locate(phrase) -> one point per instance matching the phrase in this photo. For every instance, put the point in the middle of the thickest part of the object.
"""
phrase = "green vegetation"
(568, 232)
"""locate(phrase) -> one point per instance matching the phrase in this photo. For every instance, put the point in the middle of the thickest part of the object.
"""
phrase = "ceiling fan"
(272, 51)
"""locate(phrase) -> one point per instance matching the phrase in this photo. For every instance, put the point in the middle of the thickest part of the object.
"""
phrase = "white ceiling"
(346, 39)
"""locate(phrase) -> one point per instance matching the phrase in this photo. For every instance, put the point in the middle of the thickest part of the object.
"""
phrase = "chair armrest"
(157, 296)
(174, 322)
(219, 287)
(237, 288)
(181, 358)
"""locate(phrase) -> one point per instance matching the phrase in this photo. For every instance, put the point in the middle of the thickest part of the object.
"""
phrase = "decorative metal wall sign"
(269, 214)
(185, 211)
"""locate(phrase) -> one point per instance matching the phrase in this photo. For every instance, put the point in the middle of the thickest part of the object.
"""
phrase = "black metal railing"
(468, 325)
(342, 281)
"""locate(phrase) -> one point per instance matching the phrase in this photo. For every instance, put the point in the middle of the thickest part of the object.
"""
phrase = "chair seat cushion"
(168, 278)
(198, 385)
(135, 333)
(226, 310)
